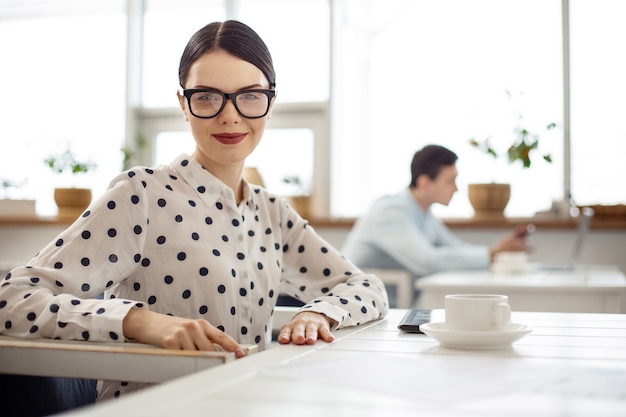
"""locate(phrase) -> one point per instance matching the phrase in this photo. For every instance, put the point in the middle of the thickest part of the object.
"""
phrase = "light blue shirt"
(397, 234)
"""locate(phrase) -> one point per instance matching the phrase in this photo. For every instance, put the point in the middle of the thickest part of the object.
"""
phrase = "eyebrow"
(248, 87)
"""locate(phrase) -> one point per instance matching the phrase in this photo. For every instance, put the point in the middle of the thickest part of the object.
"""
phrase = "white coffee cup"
(477, 311)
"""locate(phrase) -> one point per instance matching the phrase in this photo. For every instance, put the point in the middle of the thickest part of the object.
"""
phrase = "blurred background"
(362, 85)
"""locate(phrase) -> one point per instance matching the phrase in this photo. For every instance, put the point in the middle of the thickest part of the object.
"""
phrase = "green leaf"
(66, 162)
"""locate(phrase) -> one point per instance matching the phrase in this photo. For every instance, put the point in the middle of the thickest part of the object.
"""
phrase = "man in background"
(400, 231)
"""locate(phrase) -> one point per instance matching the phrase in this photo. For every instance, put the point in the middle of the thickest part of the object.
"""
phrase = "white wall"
(18, 243)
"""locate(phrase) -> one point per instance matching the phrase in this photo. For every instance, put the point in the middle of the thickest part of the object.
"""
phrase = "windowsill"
(599, 223)
(33, 220)
(606, 223)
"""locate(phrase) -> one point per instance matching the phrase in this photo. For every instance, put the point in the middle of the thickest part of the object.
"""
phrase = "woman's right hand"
(176, 332)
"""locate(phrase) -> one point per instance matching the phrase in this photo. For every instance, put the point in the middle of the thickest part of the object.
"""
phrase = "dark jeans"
(287, 300)
(37, 396)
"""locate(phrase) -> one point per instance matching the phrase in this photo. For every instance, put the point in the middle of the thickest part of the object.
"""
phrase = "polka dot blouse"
(173, 240)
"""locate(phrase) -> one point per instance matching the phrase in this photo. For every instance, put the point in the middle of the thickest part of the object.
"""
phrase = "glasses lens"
(206, 103)
(252, 103)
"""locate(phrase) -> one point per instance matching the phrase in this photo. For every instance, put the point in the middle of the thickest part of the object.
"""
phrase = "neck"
(421, 199)
(229, 174)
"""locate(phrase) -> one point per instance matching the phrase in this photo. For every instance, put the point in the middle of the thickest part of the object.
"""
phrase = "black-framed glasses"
(207, 103)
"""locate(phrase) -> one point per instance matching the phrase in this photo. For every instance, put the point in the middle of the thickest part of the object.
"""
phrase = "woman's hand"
(176, 332)
(306, 327)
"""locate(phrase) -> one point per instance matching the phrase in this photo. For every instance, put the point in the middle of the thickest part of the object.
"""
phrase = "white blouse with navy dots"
(172, 239)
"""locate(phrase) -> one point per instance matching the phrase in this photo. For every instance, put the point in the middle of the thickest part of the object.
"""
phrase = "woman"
(189, 254)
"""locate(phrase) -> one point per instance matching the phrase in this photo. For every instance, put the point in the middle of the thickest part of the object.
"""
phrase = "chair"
(401, 279)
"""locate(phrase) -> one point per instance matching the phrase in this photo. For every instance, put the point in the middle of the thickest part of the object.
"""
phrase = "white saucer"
(475, 339)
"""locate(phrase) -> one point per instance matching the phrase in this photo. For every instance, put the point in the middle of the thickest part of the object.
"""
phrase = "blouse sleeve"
(57, 294)
(317, 273)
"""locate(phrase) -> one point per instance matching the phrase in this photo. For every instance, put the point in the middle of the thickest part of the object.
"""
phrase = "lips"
(229, 138)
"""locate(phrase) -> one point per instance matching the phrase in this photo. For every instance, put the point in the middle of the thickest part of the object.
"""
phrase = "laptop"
(585, 216)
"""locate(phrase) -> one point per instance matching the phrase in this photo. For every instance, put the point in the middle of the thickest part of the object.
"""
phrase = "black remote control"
(411, 321)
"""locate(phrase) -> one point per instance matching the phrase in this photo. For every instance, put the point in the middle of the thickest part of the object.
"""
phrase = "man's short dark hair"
(429, 160)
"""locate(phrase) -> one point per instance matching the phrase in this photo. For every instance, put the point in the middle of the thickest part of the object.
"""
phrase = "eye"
(251, 96)
(207, 97)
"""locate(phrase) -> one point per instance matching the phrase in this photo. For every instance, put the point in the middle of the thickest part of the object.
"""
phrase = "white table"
(584, 290)
(570, 365)
(128, 361)
(114, 361)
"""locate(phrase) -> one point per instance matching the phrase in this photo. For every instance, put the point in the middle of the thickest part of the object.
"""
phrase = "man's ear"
(421, 181)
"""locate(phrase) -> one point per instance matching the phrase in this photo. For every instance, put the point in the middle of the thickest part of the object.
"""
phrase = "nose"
(229, 113)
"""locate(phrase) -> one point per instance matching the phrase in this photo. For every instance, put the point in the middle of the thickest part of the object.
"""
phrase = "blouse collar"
(208, 187)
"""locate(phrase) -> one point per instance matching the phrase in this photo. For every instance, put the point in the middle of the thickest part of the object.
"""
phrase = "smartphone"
(529, 230)
(412, 320)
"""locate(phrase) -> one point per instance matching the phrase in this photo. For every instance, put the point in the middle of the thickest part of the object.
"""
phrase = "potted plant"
(524, 144)
(71, 201)
(10, 205)
(490, 199)
(300, 198)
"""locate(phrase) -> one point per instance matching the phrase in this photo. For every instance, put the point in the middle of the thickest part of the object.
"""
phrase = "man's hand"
(515, 242)
(306, 327)
(176, 332)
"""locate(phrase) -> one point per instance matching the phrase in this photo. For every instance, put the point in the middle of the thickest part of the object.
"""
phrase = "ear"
(182, 103)
(422, 181)
(269, 113)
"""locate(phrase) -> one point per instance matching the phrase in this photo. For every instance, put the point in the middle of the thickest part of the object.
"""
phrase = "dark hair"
(429, 160)
(233, 37)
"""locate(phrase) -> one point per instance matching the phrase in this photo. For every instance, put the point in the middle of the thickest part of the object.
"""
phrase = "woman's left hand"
(306, 327)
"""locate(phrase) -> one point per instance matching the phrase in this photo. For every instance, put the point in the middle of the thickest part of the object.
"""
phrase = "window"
(62, 83)
(598, 68)
(413, 73)
(382, 78)
(296, 148)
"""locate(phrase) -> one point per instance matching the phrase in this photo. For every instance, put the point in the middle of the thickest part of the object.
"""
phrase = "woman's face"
(228, 138)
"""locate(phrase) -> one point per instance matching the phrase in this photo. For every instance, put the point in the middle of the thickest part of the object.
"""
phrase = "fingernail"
(240, 353)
